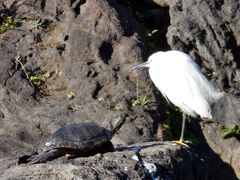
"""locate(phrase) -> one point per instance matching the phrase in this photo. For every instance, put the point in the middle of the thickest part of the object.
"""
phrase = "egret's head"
(145, 64)
(152, 60)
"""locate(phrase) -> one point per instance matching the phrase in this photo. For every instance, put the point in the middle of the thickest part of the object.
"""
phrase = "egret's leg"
(183, 127)
(181, 141)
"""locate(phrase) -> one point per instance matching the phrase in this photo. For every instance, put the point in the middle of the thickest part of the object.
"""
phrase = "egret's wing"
(203, 93)
(174, 86)
(181, 81)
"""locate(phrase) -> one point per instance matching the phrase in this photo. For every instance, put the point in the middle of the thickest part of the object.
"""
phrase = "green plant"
(232, 131)
(141, 101)
(39, 79)
(8, 23)
(71, 95)
(172, 123)
(37, 23)
(101, 99)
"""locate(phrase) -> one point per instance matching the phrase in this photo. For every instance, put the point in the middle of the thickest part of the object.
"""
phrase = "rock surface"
(209, 31)
(82, 52)
(230, 155)
(88, 55)
(162, 3)
(170, 161)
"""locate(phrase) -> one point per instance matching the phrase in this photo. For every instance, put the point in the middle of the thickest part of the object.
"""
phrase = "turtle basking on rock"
(79, 139)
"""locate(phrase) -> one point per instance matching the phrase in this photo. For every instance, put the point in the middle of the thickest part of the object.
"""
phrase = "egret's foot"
(181, 143)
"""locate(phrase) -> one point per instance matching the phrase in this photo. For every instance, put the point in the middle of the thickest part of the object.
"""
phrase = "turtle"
(77, 139)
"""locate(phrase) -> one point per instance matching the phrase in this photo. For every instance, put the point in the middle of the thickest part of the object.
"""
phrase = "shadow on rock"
(220, 169)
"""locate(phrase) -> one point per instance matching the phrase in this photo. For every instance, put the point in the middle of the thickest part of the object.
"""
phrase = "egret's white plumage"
(180, 80)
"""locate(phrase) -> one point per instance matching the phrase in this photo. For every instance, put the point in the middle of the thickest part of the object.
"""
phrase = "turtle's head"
(120, 121)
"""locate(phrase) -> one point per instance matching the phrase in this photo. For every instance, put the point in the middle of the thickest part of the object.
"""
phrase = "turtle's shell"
(80, 136)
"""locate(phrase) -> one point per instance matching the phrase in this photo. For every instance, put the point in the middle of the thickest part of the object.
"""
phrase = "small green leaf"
(37, 23)
(7, 24)
(140, 101)
(231, 131)
(101, 99)
(71, 95)
(37, 79)
(166, 126)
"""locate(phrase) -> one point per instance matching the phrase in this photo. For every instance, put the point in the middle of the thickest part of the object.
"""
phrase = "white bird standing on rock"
(180, 81)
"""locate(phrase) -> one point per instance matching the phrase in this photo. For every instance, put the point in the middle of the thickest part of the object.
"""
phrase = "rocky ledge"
(151, 160)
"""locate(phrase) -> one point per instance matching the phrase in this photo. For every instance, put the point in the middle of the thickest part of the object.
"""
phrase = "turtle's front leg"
(24, 158)
(44, 156)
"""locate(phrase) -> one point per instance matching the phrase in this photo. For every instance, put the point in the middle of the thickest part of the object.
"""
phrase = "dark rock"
(162, 3)
(203, 29)
(86, 48)
(218, 144)
(170, 161)
(209, 31)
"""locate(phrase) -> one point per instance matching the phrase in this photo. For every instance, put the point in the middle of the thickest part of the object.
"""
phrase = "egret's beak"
(145, 64)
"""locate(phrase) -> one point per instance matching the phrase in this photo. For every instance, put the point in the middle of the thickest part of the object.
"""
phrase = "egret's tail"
(218, 96)
(214, 96)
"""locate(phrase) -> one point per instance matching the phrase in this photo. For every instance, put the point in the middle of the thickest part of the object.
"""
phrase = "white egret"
(180, 81)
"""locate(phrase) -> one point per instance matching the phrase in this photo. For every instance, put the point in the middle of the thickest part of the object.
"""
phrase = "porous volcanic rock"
(162, 3)
(209, 31)
(66, 62)
(168, 161)
(70, 61)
